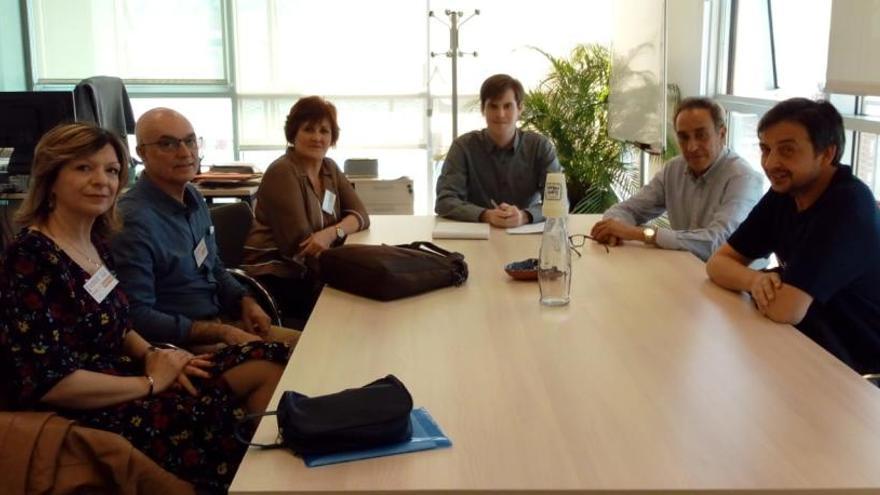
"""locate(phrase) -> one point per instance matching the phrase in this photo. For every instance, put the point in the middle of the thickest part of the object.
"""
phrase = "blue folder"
(426, 435)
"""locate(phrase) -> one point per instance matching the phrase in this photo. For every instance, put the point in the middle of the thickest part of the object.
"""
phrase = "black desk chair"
(232, 222)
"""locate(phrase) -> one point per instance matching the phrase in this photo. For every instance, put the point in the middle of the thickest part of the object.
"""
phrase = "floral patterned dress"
(50, 327)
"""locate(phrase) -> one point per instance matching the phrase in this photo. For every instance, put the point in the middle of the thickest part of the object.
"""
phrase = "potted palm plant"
(570, 107)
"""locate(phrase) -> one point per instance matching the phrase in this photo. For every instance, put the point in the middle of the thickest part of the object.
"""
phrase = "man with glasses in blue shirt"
(166, 253)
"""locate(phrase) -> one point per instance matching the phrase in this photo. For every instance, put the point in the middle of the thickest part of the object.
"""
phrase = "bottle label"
(553, 192)
(555, 201)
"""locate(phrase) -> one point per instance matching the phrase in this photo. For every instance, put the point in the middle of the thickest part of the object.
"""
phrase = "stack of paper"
(460, 230)
(529, 228)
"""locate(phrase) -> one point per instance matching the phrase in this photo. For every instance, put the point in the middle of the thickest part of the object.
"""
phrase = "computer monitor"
(25, 116)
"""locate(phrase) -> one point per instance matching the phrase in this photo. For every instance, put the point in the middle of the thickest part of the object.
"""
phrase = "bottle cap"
(555, 197)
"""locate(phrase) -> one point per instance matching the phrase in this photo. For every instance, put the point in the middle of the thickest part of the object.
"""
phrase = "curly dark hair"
(310, 109)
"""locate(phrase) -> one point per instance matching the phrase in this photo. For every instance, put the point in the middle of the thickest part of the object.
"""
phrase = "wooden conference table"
(651, 379)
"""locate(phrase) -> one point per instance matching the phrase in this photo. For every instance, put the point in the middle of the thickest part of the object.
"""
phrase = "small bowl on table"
(523, 270)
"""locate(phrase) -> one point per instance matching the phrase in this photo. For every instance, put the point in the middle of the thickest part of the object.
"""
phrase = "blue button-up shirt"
(156, 264)
(703, 211)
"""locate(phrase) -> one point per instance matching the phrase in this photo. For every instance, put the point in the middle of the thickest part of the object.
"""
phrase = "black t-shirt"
(831, 251)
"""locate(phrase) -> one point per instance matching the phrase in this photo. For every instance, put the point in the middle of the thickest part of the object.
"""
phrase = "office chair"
(232, 222)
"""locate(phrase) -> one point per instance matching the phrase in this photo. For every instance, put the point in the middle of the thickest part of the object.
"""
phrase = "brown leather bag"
(391, 272)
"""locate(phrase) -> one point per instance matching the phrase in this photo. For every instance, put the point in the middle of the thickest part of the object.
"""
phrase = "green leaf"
(570, 107)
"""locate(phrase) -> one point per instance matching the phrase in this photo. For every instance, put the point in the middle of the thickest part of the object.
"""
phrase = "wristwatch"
(340, 234)
(650, 235)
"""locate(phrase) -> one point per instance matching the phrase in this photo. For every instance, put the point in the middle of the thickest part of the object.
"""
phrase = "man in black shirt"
(823, 225)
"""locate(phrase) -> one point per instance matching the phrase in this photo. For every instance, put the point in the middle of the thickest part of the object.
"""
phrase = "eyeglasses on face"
(578, 240)
(169, 144)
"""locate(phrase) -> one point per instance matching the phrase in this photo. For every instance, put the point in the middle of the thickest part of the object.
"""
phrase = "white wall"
(685, 49)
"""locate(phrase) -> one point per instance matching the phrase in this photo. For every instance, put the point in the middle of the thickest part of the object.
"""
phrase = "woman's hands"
(170, 366)
(318, 242)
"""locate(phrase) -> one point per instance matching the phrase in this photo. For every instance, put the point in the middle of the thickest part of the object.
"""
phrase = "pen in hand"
(502, 206)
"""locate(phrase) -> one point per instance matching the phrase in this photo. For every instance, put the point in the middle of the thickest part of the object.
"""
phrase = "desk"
(651, 379)
(243, 193)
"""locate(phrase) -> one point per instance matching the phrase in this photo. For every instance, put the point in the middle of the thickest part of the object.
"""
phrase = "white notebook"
(460, 230)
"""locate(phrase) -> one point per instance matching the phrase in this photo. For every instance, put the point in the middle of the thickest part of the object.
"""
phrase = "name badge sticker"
(329, 202)
(100, 284)
(201, 252)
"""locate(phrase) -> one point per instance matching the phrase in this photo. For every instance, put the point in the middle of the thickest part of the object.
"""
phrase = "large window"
(872, 106)
(235, 67)
(368, 58)
(138, 40)
(211, 119)
(779, 47)
(868, 164)
(506, 37)
(343, 47)
(394, 100)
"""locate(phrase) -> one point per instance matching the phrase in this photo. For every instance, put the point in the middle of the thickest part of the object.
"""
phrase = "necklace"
(90, 260)
(75, 248)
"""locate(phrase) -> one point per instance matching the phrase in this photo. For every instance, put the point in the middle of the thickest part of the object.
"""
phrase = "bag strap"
(432, 248)
(460, 270)
(250, 417)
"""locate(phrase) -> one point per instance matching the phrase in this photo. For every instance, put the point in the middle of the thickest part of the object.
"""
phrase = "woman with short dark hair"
(304, 206)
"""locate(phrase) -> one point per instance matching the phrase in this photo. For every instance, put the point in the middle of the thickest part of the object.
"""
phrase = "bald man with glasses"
(166, 253)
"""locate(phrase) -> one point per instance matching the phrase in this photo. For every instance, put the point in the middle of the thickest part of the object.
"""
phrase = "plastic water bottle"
(554, 268)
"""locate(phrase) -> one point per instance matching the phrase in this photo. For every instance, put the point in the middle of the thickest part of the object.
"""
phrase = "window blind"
(637, 104)
(853, 64)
